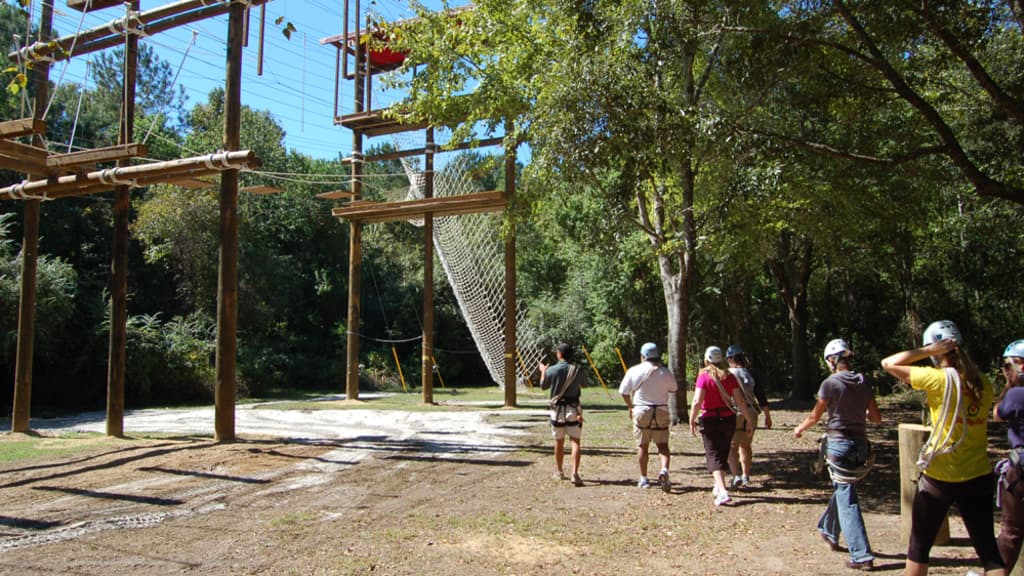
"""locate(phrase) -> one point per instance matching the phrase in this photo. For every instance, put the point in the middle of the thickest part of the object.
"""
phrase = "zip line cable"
(67, 62)
(174, 82)
(78, 108)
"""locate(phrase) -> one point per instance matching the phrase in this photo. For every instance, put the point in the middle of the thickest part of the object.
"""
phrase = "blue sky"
(297, 85)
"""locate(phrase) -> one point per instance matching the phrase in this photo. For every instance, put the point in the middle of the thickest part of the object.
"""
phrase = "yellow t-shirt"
(970, 459)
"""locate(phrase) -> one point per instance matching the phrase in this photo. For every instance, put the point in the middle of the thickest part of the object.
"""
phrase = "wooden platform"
(369, 212)
(373, 123)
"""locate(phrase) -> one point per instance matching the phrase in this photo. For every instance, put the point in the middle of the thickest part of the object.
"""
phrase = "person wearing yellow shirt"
(955, 465)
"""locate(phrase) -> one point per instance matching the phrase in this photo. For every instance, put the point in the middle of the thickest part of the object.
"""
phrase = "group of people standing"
(726, 406)
(954, 463)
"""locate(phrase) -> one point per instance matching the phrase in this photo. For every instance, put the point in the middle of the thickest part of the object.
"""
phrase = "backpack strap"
(727, 399)
(570, 379)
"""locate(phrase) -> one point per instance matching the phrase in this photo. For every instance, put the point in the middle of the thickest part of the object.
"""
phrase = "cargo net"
(471, 252)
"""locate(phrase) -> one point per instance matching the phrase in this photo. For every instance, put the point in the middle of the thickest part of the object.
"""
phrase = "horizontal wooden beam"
(93, 5)
(419, 151)
(36, 168)
(97, 155)
(190, 182)
(373, 123)
(142, 175)
(335, 195)
(150, 22)
(260, 189)
(22, 127)
(24, 158)
(368, 212)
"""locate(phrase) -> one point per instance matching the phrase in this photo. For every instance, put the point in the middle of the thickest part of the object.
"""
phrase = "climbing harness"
(564, 412)
(651, 423)
(842, 475)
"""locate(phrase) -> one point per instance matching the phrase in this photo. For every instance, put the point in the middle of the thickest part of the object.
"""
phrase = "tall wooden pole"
(428, 275)
(22, 408)
(510, 268)
(355, 238)
(227, 283)
(118, 351)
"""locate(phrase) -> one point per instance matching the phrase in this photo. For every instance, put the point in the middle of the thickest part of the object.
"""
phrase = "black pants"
(716, 432)
(974, 500)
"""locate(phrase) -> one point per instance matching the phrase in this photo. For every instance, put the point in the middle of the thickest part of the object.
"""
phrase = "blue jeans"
(843, 511)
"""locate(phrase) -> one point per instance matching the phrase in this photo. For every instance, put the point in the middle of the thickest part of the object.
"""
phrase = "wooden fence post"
(912, 437)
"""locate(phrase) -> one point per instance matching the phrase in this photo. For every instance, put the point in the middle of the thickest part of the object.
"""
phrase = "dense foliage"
(774, 176)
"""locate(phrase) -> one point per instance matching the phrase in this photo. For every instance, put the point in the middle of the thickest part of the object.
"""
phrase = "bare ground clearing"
(467, 493)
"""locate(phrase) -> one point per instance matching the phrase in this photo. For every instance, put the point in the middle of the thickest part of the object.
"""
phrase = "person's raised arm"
(900, 363)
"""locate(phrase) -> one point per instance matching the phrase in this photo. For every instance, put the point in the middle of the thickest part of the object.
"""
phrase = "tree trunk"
(791, 268)
(673, 285)
(676, 269)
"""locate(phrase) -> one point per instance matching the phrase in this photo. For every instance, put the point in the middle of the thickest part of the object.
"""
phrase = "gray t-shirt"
(847, 394)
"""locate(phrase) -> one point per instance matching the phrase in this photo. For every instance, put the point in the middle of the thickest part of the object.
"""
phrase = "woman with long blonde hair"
(717, 398)
(954, 462)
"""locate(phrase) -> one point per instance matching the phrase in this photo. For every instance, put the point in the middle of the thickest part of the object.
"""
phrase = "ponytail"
(716, 371)
(969, 372)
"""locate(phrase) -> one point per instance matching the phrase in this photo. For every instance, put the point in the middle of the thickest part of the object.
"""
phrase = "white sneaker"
(744, 482)
(722, 498)
(714, 491)
(736, 481)
(644, 482)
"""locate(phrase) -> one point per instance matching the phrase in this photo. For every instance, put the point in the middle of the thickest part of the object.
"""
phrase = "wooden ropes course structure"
(365, 121)
(53, 176)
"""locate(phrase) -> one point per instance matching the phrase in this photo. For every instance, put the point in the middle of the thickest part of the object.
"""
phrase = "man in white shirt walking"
(647, 389)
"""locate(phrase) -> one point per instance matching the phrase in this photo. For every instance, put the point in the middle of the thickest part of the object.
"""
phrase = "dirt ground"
(472, 496)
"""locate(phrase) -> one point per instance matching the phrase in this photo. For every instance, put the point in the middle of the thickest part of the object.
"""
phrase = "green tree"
(612, 95)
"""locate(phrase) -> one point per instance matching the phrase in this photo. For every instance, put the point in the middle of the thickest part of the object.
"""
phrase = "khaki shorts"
(565, 421)
(744, 437)
(651, 424)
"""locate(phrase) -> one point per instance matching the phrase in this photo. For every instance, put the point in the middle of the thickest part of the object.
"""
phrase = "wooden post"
(355, 239)
(118, 351)
(911, 438)
(22, 407)
(510, 268)
(227, 282)
(428, 275)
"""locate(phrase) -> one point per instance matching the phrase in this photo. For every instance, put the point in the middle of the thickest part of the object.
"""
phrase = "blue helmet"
(733, 351)
(649, 351)
(1014, 349)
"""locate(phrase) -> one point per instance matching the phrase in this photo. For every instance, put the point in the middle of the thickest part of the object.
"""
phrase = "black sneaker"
(867, 565)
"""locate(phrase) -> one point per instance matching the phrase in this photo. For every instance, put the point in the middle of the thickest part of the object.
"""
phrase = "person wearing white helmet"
(741, 453)
(1010, 409)
(849, 398)
(647, 388)
(954, 463)
(717, 398)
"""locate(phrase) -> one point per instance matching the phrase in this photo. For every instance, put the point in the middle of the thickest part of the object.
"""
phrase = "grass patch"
(18, 447)
(292, 519)
(446, 399)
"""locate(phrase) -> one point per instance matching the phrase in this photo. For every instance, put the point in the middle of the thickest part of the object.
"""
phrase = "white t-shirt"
(652, 391)
(747, 384)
